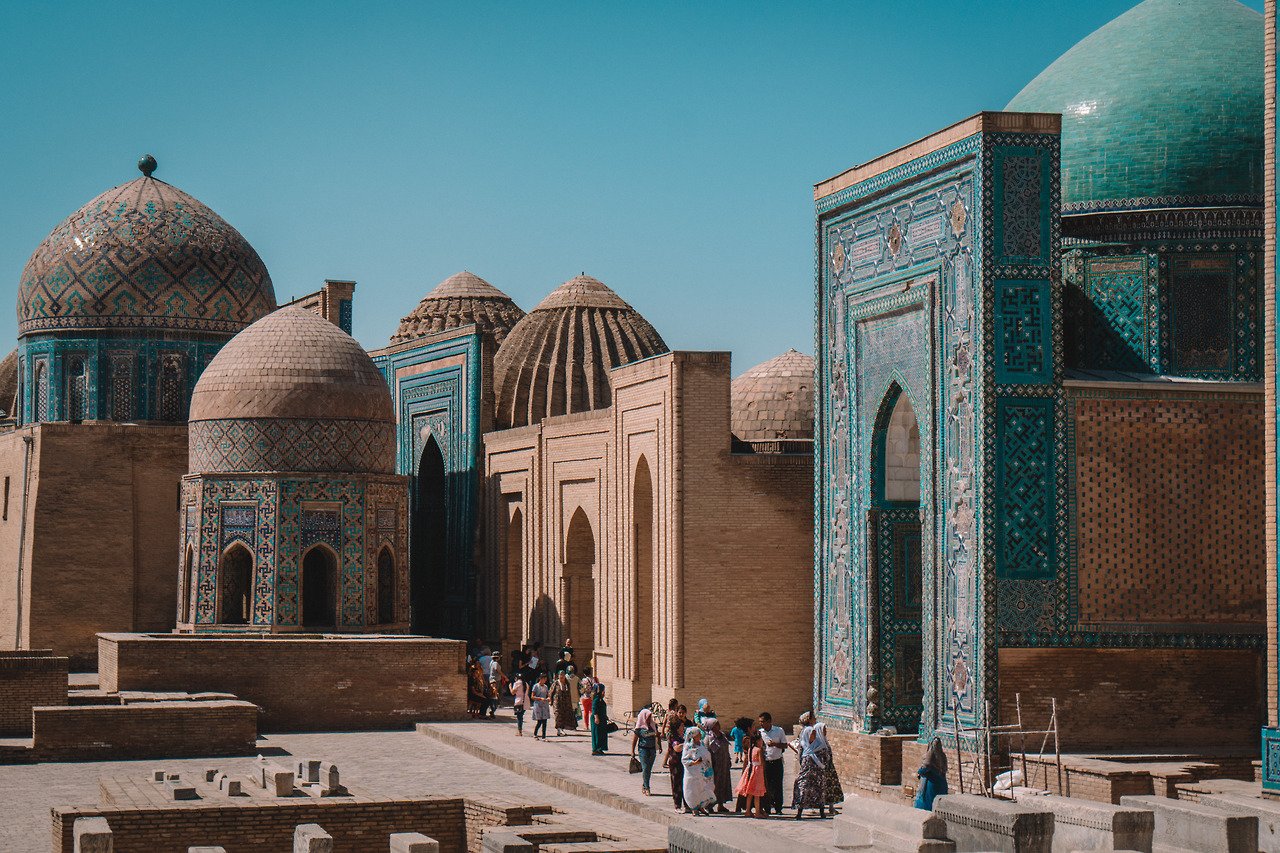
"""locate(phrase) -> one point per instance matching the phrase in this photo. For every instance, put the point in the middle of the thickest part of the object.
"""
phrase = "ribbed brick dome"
(144, 255)
(774, 400)
(557, 359)
(460, 300)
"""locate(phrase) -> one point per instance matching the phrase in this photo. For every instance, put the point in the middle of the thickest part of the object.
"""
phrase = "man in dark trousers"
(775, 747)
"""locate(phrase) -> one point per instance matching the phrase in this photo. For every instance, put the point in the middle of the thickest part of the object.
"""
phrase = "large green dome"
(1162, 107)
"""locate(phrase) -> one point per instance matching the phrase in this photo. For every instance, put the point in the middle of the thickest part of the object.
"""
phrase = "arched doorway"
(319, 588)
(642, 549)
(235, 585)
(386, 586)
(513, 571)
(578, 595)
(429, 575)
(897, 562)
(184, 606)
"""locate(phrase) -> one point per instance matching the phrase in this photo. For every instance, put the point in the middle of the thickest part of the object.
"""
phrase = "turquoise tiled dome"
(144, 255)
(1162, 107)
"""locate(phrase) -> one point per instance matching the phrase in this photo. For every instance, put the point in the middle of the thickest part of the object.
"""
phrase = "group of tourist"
(700, 756)
(560, 695)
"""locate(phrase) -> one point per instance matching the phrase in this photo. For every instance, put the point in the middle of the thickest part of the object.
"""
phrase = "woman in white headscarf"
(813, 787)
(699, 781)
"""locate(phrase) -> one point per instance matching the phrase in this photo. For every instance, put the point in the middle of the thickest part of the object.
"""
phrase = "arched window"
(430, 581)
(235, 586)
(122, 386)
(184, 606)
(386, 586)
(579, 598)
(319, 588)
(170, 388)
(514, 566)
(902, 454)
(642, 551)
(40, 405)
(77, 389)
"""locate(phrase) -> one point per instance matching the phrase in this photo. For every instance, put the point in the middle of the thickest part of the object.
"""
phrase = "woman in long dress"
(933, 776)
(675, 745)
(599, 722)
(562, 705)
(812, 781)
(718, 745)
(751, 786)
(540, 694)
(699, 776)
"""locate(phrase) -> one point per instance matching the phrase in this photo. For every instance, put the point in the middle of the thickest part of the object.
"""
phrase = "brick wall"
(358, 824)
(1169, 507)
(310, 683)
(867, 762)
(28, 679)
(1139, 699)
(103, 558)
(144, 730)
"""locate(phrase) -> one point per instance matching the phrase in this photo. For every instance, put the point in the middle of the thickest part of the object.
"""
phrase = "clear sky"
(669, 149)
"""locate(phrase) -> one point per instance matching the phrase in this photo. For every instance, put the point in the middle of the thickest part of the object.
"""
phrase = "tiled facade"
(291, 517)
(1084, 386)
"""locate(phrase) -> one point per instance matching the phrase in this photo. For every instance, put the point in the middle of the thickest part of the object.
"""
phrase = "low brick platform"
(150, 730)
(28, 678)
(1107, 778)
(302, 682)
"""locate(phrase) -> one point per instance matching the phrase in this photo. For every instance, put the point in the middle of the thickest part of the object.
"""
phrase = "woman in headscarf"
(832, 791)
(562, 705)
(644, 741)
(675, 745)
(698, 714)
(933, 776)
(541, 706)
(586, 692)
(810, 790)
(599, 723)
(718, 745)
(699, 777)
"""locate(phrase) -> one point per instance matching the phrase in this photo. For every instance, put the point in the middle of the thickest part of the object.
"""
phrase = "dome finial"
(146, 164)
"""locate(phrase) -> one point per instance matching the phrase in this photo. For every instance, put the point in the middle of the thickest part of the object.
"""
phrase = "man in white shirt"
(775, 746)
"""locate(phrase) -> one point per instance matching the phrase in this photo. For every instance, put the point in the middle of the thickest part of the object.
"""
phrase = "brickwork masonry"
(29, 679)
(304, 683)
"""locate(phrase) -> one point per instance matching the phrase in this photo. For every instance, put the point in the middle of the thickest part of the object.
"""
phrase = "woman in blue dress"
(933, 776)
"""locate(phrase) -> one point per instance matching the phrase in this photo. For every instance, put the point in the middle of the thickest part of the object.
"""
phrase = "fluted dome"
(460, 300)
(1162, 107)
(292, 392)
(144, 255)
(557, 359)
(774, 400)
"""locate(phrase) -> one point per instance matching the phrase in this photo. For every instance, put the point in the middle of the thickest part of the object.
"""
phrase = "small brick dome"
(774, 400)
(144, 255)
(460, 300)
(292, 363)
(557, 359)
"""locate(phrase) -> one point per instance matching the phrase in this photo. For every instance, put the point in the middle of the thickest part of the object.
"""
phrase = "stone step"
(1193, 826)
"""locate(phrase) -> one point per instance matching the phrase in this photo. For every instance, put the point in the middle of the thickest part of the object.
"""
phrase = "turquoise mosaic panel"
(436, 387)
(1021, 185)
(1023, 333)
(1026, 503)
(889, 273)
(123, 378)
(1111, 306)
(262, 497)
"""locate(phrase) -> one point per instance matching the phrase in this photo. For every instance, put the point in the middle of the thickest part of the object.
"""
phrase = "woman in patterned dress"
(813, 782)
(563, 706)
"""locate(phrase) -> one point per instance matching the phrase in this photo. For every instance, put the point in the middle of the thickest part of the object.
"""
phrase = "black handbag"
(633, 766)
(611, 727)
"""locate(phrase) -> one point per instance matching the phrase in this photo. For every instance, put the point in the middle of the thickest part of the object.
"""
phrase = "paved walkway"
(390, 763)
(566, 763)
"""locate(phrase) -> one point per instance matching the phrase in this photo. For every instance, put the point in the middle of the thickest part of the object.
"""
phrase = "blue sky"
(668, 149)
